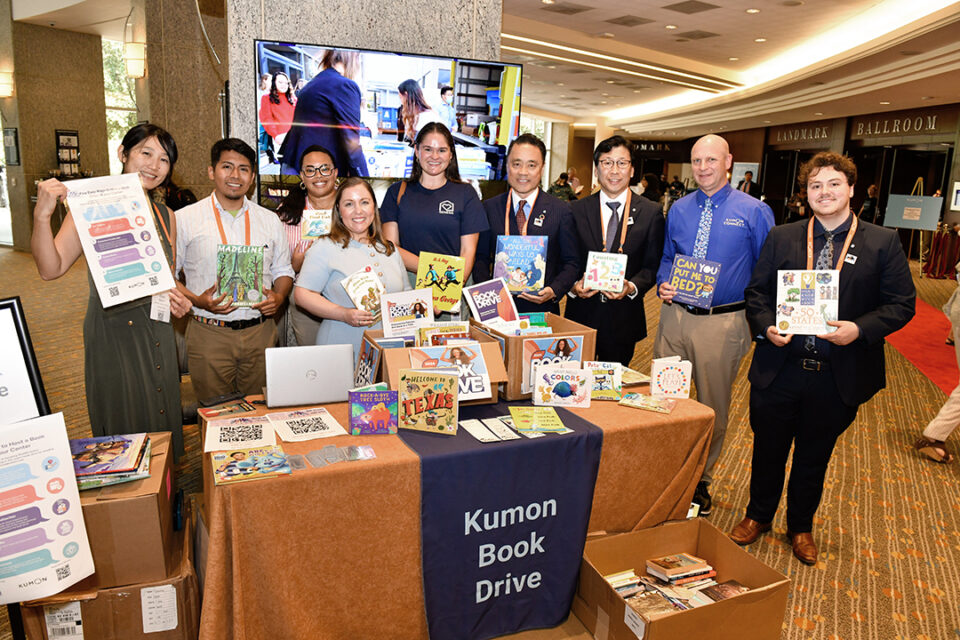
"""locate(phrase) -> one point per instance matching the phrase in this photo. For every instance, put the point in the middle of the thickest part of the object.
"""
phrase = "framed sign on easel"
(22, 394)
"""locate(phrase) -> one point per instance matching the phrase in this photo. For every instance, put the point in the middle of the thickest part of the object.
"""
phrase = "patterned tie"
(703, 231)
(612, 225)
(521, 215)
(824, 262)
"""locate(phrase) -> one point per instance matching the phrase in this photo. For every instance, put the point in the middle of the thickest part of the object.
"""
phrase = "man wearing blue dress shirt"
(723, 225)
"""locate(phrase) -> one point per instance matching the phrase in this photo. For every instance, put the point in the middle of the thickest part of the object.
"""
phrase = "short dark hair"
(747, 173)
(232, 144)
(529, 138)
(444, 89)
(608, 145)
(141, 132)
(841, 163)
(563, 176)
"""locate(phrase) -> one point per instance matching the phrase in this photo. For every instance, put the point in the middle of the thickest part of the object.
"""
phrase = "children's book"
(536, 419)
(365, 288)
(316, 223)
(444, 276)
(521, 262)
(104, 455)
(605, 271)
(305, 424)
(562, 386)
(255, 463)
(428, 401)
(631, 377)
(695, 280)
(102, 480)
(398, 342)
(468, 360)
(438, 333)
(670, 377)
(607, 384)
(404, 312)
(659, 404)
(373, 412)
(533, 319)
(239, 433)
(490, 302)
(240, 274)
(806, 300)
(540, 351)
(368, 363)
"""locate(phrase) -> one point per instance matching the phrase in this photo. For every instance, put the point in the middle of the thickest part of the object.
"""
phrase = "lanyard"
(846, 243)
(163, 225)
(506, 214)
(223, 236)
(623, 225)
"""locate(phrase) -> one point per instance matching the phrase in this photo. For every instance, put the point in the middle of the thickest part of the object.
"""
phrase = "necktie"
(612, 225)
(743, 187)
(703, 231)
(521, 215)
(824, 262)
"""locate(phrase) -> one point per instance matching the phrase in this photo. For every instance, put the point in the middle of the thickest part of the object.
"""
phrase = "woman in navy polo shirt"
(433, 210)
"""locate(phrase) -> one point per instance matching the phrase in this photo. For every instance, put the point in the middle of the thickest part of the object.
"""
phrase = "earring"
(303, 187)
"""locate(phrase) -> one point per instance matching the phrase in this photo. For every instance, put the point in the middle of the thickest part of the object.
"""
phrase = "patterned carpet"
(888, 528)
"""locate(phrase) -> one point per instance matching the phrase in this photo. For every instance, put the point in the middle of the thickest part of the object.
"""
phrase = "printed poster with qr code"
(239, 433)
(43, 539)
(305, 424)
(806, 300)
(120, 238)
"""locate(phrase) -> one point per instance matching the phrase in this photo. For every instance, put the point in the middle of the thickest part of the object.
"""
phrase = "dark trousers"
(614, 350)
(802, 408)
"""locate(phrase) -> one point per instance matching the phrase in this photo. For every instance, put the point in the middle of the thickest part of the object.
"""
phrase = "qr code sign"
(113, 291)
(63, 572)
(302, 426)
(240, 433)
(154, 281)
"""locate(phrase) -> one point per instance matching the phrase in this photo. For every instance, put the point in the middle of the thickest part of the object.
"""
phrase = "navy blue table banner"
(503, 525)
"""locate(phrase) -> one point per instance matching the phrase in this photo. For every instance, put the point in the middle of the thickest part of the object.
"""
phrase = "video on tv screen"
(366, 107)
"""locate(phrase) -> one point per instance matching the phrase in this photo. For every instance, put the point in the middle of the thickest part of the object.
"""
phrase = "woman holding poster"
(131, 370)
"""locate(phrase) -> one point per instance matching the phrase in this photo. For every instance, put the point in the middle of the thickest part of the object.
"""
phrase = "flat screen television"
(350, 101)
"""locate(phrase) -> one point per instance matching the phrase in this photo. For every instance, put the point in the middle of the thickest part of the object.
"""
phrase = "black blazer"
(619, 320)
(876, 292)
(753, 189)
(556, 222)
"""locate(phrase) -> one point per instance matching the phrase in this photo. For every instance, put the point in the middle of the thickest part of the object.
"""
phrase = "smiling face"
(434, 154)
(357, 208)
(282, 82)
(232, 176)
(829, 193)
(614, 170)
(711, 160)
(148, 160)
(524, 169)
(319, 186)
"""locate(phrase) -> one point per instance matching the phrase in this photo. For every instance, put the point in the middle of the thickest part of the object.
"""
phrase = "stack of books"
(626, 583)
(680, 569)
(106, 460)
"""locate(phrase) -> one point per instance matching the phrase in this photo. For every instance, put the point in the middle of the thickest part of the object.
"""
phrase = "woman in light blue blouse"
(355, 242)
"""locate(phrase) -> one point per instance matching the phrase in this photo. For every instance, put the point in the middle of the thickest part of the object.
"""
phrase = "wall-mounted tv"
(366, 106)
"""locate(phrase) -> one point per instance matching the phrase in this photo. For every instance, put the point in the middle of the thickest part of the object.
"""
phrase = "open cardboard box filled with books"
(756, 614)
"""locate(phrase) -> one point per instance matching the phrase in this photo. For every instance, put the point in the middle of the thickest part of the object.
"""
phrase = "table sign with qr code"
(239, 433)
(305, 424)
(120, 237)
(43, 539)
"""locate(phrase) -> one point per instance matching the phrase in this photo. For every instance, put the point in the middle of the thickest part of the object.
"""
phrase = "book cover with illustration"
(607, 382)
(428, 401)
(540, 351)
(373, 412)
(491, 303)
(440, 333)
(670, 377)
(316, 223)
(444, 276)
(474, 383)
(240, 465)
(107, 454)
(605, 271)
(521, 261)
(559, 385)
(103, 480)
(240, 274)
(368, 363)
(806, 300)
(659, 404)
(404, 312)
(695, 280)
(365, 288)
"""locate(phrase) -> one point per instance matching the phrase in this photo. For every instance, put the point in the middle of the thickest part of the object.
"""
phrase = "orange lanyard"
(846, 243)
(506, 214)
(623, 225)
(163, 225)
(246, 223)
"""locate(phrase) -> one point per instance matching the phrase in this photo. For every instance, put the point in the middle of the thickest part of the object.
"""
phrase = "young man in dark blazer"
(748, 186)
(601, 220)
(543, 215)
(806, 390)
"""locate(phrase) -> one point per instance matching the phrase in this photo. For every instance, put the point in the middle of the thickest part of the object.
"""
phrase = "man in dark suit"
(748, 186)
(805, 390)
(528, 210)
(616, 221)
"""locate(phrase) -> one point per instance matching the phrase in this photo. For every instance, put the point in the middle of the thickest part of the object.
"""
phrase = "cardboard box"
(130, 525)
(513, 348)
(754, 615)
(392, 360)
(172, 606)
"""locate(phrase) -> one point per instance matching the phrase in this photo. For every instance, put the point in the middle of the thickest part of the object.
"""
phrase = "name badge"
(538, 221)
(629, 220)
(850, 259)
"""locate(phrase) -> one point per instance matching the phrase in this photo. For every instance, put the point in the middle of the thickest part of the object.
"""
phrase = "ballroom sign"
(904, 123)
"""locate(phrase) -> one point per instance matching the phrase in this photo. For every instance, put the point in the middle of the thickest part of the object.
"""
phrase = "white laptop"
(308, 375)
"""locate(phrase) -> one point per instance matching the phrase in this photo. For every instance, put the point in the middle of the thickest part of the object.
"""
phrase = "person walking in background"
(561, 188)
(868, 210)
(276, 110)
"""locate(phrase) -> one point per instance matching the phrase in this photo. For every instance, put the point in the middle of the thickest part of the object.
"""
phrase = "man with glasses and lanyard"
(225, 343)
(613, 220)
(719, 224)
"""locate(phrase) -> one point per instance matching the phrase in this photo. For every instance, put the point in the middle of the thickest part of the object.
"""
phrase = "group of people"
(805, 391)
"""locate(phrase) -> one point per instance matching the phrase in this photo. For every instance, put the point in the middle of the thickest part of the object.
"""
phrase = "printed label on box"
(633, 620)
(64, 620)
(159, 607)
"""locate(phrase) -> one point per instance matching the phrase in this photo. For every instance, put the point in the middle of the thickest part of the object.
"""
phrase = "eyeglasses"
(324, 170)
(608, 163)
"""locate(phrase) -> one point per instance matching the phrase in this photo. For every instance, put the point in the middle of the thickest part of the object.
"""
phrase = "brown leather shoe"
(803, 547)
(748, 531)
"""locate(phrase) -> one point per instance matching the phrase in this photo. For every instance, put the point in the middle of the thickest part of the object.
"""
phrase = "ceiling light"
(548, 1)
(753, 11)
(671, 26)
(767, 121)
(733, 59)
(818, 113)
(605, 34)
(611, 81)
(584, 124)
(884, 102)
(551, 66)
(759, 39)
